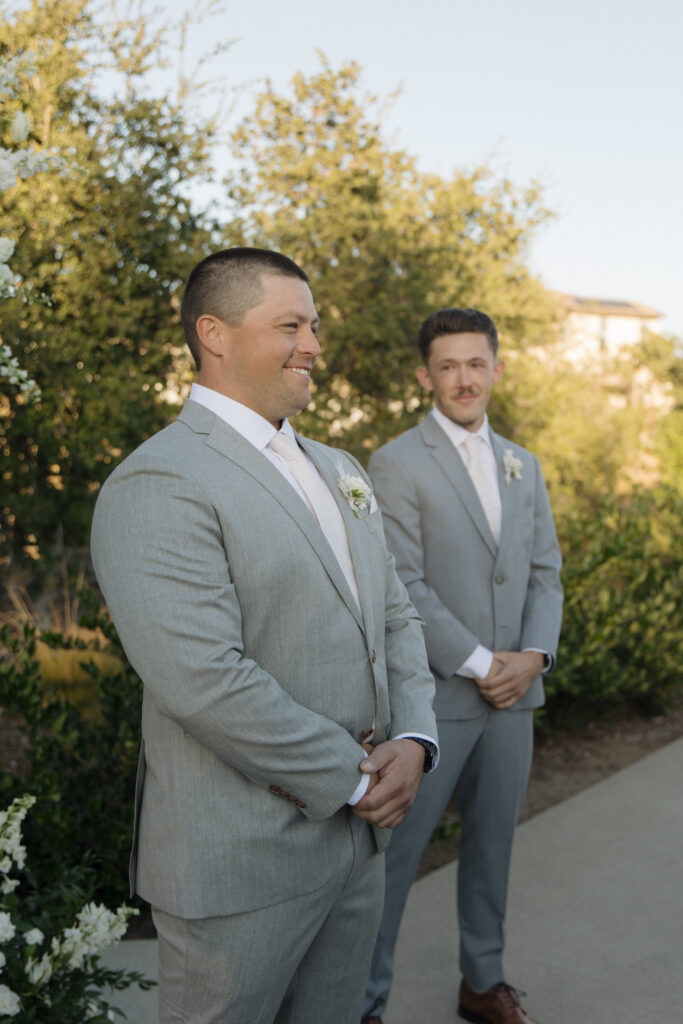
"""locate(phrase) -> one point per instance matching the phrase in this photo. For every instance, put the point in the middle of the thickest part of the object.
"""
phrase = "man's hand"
(510, 676)
(395, 768)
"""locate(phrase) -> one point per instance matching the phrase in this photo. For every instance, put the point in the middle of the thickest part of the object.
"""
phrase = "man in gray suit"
(467, 517)
(286, 718)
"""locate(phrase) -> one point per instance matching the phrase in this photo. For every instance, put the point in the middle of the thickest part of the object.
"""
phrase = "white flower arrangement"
(354, 488)
(16, 163)
(65, 981)
(512, 466)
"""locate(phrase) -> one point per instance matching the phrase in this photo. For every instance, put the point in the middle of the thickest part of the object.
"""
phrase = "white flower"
(6, 248)
(3, 960)
(8, 171)
(6, 276)
(512, 466)
(356, 491)
(95, 1008)
(33, 937)
(39, 972)
(7, 929)
(73, 947)
(9, 1002)
(8, 885)
(20, 126)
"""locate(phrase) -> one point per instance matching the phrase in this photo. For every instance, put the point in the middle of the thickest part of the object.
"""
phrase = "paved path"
(595, 922)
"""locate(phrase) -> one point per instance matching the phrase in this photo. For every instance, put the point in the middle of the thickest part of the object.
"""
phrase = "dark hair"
(227, 284)
(456, 321)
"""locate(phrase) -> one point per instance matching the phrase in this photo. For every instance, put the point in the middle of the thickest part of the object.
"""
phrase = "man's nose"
(309, 344)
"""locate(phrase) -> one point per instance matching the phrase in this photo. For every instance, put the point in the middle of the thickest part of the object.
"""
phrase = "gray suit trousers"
(486, 760)
(240, 970)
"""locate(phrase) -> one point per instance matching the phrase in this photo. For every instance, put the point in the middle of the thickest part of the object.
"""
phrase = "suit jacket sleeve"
(449, 642)
(160, 559)
(542, 616)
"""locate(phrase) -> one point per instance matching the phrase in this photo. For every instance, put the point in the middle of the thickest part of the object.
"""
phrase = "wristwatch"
(429, 749)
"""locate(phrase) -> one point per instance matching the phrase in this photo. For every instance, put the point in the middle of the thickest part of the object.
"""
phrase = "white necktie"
(321, 503)
(475, 446)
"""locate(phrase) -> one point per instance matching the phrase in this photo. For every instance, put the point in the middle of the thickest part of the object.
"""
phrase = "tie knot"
(473, 444)
(285, 446)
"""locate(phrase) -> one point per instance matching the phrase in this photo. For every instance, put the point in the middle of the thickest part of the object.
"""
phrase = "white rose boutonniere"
(356, 491)
(512, 466)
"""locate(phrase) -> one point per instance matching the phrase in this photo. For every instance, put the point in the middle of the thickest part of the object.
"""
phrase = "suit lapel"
(326, 465)
(230, 443)
(456, 473)
(509, 494)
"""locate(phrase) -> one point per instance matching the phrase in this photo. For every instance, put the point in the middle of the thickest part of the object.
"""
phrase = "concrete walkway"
(595, 921)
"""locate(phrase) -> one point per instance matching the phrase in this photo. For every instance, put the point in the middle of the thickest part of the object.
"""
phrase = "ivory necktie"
(320, 501)
(475, 446)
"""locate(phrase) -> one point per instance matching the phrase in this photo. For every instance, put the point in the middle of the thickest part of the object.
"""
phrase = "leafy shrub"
(81, 767)
(621, 647)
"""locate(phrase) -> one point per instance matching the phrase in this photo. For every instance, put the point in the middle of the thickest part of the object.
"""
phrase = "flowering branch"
(53, 971)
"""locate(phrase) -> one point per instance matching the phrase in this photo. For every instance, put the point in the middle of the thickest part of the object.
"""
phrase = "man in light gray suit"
(467, 517)
(247, 573)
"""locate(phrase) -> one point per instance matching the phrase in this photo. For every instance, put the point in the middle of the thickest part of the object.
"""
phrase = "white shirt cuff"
(478, 665)
(361, 789)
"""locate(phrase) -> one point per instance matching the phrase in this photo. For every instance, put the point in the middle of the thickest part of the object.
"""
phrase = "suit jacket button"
(373, 656)
(500, 579)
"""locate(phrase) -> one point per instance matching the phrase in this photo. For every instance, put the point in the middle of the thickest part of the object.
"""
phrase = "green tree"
(383, 243)
(102, 249)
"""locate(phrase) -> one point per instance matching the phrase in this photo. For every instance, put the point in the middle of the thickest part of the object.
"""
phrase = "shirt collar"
(457, 435)
(253, 427)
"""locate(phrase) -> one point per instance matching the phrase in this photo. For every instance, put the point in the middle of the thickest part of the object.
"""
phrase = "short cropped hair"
(226, 285)
(456, 321)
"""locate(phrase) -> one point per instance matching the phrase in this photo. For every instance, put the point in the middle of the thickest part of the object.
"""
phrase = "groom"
(468, 519)
(246, 571)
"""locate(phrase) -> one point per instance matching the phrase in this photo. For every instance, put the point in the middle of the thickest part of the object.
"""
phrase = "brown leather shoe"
(498, 1005)
(371, 1020)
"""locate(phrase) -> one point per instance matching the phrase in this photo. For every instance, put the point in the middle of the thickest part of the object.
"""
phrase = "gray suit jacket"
(467, 589)
(260, 671)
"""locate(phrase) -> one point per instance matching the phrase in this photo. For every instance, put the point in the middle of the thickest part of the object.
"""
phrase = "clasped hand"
(395, 768)
(510, 676)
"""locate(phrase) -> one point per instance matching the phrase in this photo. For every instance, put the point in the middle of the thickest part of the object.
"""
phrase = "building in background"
(603, 327)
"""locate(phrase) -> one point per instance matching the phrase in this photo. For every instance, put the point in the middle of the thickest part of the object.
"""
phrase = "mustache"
(466, 391)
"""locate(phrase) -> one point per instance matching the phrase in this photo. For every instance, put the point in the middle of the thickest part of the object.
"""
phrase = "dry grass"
(57, 610)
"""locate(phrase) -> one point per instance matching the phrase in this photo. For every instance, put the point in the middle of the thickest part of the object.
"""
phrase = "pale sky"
(585, 96)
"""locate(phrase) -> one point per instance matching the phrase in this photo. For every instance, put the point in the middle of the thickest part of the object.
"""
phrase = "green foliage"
(82, 769)
(384, 246)
(621, 648)
(102, 248)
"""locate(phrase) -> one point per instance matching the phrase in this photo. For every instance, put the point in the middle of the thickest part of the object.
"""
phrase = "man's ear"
(498, 370)
(424, 379)
(210, 331)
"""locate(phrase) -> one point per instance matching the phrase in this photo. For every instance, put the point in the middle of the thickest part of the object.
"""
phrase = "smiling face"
(266, 361)
(461, 371)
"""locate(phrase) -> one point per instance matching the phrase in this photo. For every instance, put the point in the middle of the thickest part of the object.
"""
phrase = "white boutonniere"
(356, 491)
(512, 466)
